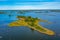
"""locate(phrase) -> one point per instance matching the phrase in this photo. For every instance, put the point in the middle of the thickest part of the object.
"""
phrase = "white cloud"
(45, 5)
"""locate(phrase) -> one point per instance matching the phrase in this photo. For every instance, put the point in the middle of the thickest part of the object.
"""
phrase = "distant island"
(32, 23)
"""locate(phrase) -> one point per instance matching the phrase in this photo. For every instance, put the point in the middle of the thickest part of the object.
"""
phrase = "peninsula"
(32, 23)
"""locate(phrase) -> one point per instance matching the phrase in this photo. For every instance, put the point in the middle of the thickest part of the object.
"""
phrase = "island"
(32, 23)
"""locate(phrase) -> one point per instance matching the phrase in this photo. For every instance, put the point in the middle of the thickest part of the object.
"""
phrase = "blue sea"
(25, 33)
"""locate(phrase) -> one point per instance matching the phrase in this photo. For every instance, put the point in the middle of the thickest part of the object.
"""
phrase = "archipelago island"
(32, 23)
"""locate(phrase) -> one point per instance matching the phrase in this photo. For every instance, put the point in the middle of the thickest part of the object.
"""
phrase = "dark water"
(25, 33)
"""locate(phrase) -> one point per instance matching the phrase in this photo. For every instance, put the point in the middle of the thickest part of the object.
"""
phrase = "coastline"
(23, 23)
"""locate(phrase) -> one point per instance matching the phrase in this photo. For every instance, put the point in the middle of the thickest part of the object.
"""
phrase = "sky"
(33, 0)
(29, 4)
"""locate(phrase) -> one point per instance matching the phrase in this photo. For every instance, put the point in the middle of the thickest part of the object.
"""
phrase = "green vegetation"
(21, 17)
(39, 28)
(31, 23)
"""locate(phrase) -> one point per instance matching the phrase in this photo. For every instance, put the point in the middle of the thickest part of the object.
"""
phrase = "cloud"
(42, 5)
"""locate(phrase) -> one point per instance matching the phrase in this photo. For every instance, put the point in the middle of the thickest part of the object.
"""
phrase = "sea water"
(25, 33)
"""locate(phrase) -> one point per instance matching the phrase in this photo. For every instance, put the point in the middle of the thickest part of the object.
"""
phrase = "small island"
(32, 23)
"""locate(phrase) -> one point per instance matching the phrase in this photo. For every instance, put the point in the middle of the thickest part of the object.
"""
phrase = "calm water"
(24, 33)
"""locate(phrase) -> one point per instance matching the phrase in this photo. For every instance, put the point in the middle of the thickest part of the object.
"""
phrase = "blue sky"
(33, 0)
(29, 4)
